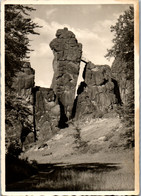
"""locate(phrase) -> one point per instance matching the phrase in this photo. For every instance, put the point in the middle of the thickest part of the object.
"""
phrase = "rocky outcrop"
(67, 56)
(24, 82)
(31, 112)
(119, 73)
(19, 105)
(47, 113)
(38, 113)
(96, 94)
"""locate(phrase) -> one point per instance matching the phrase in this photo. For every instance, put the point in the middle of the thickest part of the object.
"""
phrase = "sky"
(91, 25)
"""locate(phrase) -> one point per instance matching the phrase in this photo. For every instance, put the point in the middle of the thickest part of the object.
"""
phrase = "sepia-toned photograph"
(70, 95)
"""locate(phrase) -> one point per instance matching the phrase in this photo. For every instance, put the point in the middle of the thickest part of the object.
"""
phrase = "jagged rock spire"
(67, 56)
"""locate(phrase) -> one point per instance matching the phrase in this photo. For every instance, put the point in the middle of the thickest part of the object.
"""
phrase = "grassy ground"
(84, 156)
(77, 177)
(86, 181)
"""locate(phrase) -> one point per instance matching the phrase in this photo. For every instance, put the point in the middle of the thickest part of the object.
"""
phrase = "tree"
(123, 50)
(123, 36)
(18, 25)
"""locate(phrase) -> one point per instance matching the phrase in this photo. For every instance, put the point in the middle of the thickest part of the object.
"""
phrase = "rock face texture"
(38, 113)
(47, 113)
(96, 94)
(67, 56)
(24, 82)
(121, 76)
(19, 109)
(32, 112)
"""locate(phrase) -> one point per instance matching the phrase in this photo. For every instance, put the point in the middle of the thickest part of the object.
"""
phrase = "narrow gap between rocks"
(117, 92)
(63, 118)
(79, 87)
(105, 81)
(80, 76)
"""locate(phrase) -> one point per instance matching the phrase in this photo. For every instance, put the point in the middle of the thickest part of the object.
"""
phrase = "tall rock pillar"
(67, 56)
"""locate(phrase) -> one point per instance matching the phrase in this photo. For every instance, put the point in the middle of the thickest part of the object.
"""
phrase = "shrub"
(128, 136)
(109, 136)
(114, 144)
(17, 169)
(14, 148)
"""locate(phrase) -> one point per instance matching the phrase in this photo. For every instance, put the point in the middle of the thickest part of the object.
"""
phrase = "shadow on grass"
(64, 177)
(95, 167)
(17, 169)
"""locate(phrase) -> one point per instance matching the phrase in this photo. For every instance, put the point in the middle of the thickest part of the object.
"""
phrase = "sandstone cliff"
(119, 73)
(31, 112)
(96, 95)
(46, 112)
(67, 56)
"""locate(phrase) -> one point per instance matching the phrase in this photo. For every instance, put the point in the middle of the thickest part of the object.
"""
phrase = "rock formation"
(32, 112)
(119, 73)
(96, 94)
(67, 56)
(46, 112)
(19, 109)
(42, 111)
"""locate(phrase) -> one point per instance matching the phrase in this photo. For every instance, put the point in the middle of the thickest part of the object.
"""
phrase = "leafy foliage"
(14, 149)
(123, 36)
(123, 51)
(18, 25)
